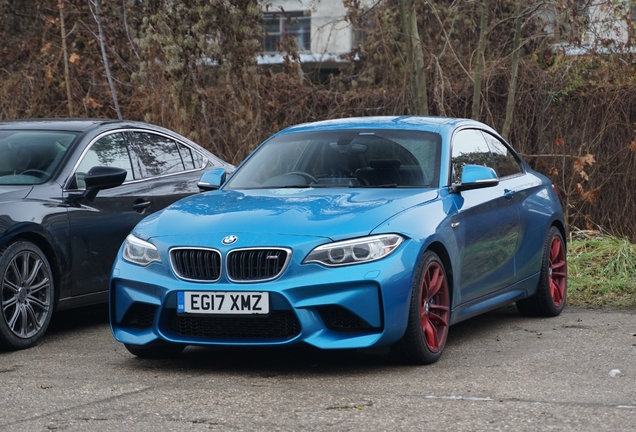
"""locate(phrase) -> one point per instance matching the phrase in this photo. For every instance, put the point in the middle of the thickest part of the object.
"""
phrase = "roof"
(71, 124)
(430, 123)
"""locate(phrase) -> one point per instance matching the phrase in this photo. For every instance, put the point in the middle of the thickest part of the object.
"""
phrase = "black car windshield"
(31, 157)
(343, 158)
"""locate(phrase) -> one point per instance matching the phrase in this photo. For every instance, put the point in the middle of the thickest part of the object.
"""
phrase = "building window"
(285, 31)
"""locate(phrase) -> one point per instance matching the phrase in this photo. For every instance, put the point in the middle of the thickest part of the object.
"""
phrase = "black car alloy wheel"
(26, 295)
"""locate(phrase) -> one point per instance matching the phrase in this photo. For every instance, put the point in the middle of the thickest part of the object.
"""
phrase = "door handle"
(508, 194)
(140, 205)
(454, 222)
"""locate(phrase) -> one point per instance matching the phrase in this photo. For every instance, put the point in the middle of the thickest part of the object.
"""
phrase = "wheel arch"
(561, 227)
(49, 252)
(441, 251)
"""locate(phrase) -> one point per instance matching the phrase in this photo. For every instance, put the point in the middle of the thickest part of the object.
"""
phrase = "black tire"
(156, 350)
(429, 314)
(27, 295)
(549, 299)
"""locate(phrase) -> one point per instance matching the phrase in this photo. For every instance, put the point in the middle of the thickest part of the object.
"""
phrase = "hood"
(332, 213)
(14, 193)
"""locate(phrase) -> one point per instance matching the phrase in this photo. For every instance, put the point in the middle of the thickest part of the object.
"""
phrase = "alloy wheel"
(435, 307)
(26, 294)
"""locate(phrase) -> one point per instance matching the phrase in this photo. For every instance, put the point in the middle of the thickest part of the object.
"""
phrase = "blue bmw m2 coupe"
(353, 233)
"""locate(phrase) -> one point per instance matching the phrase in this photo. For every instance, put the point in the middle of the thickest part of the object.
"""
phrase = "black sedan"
(70, 192)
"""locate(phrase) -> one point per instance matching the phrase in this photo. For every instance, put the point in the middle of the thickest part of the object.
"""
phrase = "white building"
(322, 34)
(609, 26)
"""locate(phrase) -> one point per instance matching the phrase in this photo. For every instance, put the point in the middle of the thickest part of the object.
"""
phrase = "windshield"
(31, 157)
(343, 158)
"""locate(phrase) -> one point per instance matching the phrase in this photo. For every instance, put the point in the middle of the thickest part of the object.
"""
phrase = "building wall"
(331, 35)
(606, 22)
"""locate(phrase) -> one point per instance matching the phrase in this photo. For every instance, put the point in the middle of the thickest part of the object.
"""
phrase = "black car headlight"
(140, 252)
(356, 251)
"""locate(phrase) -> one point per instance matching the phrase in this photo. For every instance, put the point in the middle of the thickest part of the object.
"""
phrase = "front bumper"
(358, 306)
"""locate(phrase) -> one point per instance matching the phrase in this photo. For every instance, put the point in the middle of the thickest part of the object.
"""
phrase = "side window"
(153, 155)
(186, 156)
(505, 161)
(469, 148)
(198, 159)
(109, 151)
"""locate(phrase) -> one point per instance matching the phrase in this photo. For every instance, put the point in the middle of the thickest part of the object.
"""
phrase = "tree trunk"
(415, 56)
(510, 104)
(481, 59)
(67, 75)
(102, 43)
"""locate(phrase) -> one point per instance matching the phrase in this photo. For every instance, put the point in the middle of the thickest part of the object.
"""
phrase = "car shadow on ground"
(76, 319)
(268, 362)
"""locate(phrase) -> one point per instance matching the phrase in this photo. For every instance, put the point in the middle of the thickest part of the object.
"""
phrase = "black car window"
(198, 159)
(31, 157)
(469, 148)
(505, 161)
(186, 156)
(110, 151)
(155, 155)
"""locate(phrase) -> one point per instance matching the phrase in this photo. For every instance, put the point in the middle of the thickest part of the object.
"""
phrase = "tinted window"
(505, 162)
(31, 157)
(109, 151)
(469, 148)
(154, 155)
(344, 158)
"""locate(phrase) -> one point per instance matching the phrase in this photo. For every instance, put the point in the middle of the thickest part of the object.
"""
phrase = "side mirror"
(476, 177)
(212, 179)
(100, 177)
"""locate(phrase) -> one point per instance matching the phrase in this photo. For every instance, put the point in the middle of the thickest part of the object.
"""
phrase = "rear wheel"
(549, 299)
(26, 295)
(429, 313)
(156, 350)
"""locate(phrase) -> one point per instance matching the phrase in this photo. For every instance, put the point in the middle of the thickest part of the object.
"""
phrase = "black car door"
(99, 227)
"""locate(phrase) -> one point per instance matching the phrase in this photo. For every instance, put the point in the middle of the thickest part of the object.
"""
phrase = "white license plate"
(222, 302)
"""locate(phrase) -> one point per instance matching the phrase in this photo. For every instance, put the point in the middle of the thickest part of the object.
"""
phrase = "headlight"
(139, 252)
(355, 251)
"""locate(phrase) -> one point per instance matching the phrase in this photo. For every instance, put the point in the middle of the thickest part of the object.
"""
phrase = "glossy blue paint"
(332, 213)
(489, 236)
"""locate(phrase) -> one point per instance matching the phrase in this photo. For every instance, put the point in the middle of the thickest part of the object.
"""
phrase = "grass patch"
(601, 271)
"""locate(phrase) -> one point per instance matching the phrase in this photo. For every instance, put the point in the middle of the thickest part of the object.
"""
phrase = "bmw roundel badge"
(231, 239)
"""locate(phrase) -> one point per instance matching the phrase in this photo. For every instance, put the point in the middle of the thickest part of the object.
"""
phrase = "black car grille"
(277, 325)
(196, 264)
(140, 315)
(339, 319)
(251, 265)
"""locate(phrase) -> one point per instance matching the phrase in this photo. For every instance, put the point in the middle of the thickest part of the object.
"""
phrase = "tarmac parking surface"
(498, 372)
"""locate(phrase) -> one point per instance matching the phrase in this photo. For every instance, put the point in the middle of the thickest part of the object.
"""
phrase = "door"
(99, 227)
(486, 225)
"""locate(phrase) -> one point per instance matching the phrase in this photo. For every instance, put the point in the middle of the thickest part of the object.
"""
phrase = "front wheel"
(26, 295)
(429, 313)
(549, 299)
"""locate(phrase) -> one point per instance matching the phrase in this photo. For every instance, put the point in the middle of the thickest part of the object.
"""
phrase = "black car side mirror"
(101, 177)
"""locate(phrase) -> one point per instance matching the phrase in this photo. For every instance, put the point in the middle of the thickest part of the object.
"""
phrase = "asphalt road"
(498, 372)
